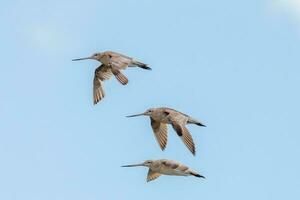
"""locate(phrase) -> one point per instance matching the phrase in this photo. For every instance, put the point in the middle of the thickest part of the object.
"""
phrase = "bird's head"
(147, 163)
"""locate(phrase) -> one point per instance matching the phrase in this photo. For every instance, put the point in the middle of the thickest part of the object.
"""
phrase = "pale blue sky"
(232, 64)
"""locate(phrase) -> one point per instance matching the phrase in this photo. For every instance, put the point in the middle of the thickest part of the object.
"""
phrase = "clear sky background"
(232, 64)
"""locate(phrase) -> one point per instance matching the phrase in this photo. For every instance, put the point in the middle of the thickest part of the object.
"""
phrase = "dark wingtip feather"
(142, 65)
(200, 124)
(148, 68)
(199, 176)
(145, 67)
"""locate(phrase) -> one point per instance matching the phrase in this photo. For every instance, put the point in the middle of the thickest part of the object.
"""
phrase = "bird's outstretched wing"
(101, 73)
(152, 175)
(161, 133)
(178, 122)
(119, 75)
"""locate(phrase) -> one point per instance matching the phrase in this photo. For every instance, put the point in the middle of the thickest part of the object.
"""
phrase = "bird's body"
(160, 117)
(166, 167)
(166, 115)
(112, 64)
(119, 60)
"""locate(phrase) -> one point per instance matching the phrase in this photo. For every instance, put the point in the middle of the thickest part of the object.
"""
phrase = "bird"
(112, 63)
(160, 117)
(165, 167)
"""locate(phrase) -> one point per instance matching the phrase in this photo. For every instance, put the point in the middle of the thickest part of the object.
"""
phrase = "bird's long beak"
(136, 115)
(82, 58)
(136, 165)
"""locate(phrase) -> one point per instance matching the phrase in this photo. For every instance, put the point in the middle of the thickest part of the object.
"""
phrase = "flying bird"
(165, 167)
(112, 64)
(160, 117)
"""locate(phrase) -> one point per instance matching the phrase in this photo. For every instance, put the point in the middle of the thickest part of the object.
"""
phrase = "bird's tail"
(194, 121)
(196, 175)
(140, 64)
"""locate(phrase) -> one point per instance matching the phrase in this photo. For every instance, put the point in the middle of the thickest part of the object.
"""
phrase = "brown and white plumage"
(119, 60)
(102, 73)
(166, 167)
(160, 117)
(160, 132)
(112, 64)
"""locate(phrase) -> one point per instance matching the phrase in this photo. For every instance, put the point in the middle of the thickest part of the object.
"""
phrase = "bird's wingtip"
(200, 124)
(199, 176)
